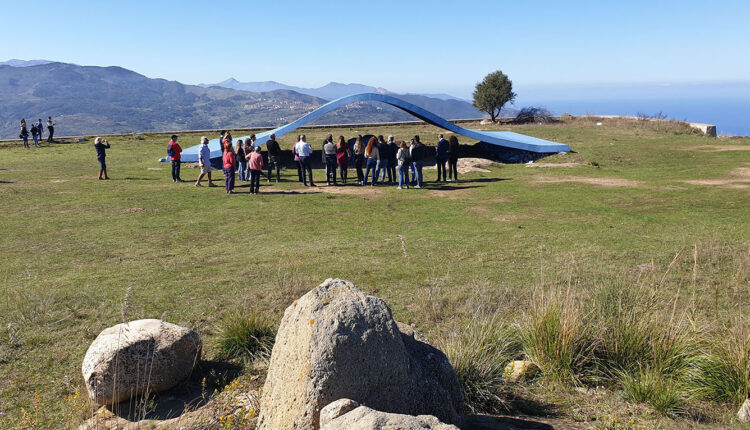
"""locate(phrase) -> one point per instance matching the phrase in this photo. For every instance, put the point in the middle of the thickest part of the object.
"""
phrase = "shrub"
(722, 373)
(653, 387)
(557, 339)
(531, 114)
(247, 335)
(479, 354)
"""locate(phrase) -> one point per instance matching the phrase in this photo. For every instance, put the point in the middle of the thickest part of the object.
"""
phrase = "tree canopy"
(493, 93)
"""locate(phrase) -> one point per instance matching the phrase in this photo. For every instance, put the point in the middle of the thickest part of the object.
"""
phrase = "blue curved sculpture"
(506, 139)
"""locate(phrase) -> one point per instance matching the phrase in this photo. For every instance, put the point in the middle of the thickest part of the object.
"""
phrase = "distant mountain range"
(87, 100)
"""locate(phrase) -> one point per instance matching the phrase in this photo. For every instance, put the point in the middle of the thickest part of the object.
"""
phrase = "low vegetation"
(621, 280)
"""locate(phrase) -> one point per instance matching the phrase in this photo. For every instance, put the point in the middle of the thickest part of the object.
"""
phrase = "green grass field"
(79, 255)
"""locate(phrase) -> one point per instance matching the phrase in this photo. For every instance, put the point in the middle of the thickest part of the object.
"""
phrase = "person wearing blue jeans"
(371, 152)
(241, 161)
(402, 157)
(417, 154)
(383, 156)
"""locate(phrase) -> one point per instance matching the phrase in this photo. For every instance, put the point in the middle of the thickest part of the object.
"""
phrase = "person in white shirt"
(204, 162)
(304, 151)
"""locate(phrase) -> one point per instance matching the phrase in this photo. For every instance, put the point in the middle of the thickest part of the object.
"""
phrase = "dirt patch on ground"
(134, 210)
(602, 182)
(155, 168)
(468, 165)
(454, 193)
(58, 181)
(722, 148)
(545, 165)
(737, 178)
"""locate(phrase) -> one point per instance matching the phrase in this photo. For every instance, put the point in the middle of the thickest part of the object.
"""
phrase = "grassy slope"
(74, 247)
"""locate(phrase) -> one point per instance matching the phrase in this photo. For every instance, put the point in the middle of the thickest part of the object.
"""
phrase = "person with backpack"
(417, 155)
(24, 134)
(174, 150)
(274, 157)
(402, 157)
(35, 135)
(101, 146)
(441, 157)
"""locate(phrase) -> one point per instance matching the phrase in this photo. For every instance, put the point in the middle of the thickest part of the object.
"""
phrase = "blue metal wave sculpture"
(501, 138)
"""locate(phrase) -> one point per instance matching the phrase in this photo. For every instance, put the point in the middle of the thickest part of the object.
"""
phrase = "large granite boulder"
(338, 342)
(364, 418)
(144, 355)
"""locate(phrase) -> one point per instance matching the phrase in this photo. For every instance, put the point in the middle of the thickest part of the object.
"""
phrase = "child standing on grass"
(229, 163)
(255, 160)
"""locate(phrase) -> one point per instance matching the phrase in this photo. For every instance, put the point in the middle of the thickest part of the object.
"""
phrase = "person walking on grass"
(417, 155)
(24, 134)
(255, 161)
(35, 135)
(241, 160)
(359, 158)
(297, 160)
(342, 158)
(229, 163)
(441, 156)
(101, 146)
(204, 162)
(174, 150)
(402, 157)
(329, 153)
(274, 157)
(40, 128)
(304, 150)
(453, 159)
(50, 130)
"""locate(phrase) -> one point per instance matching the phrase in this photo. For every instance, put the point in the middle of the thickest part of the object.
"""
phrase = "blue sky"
(404, 46)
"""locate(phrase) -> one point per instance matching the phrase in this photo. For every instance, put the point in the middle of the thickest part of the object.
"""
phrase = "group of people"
(37, 130)
(374, 160)
(381, 158)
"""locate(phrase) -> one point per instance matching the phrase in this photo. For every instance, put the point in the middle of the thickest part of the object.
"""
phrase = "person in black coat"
(101, 145)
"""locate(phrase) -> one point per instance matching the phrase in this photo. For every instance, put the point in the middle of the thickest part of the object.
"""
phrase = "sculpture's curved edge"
(505, 138)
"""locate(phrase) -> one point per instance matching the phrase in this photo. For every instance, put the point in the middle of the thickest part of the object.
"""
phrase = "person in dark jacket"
(417, 155)
(383, 158)
(392, 161)
(101, 145)
(35, 135)
(441, 156)
(453, 159)
(24, 134)
(274, 157)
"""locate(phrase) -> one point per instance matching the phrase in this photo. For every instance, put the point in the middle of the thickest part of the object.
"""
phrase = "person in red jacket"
(229, 163)
(256, 169)
(174, 150)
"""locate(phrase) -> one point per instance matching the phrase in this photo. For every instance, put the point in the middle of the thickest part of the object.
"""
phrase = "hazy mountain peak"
(24, 63)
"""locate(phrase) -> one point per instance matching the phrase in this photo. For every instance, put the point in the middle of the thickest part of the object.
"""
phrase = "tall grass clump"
(247, 335)
(722, 373)
(479, 353)
(655, 387)
(557, 337)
